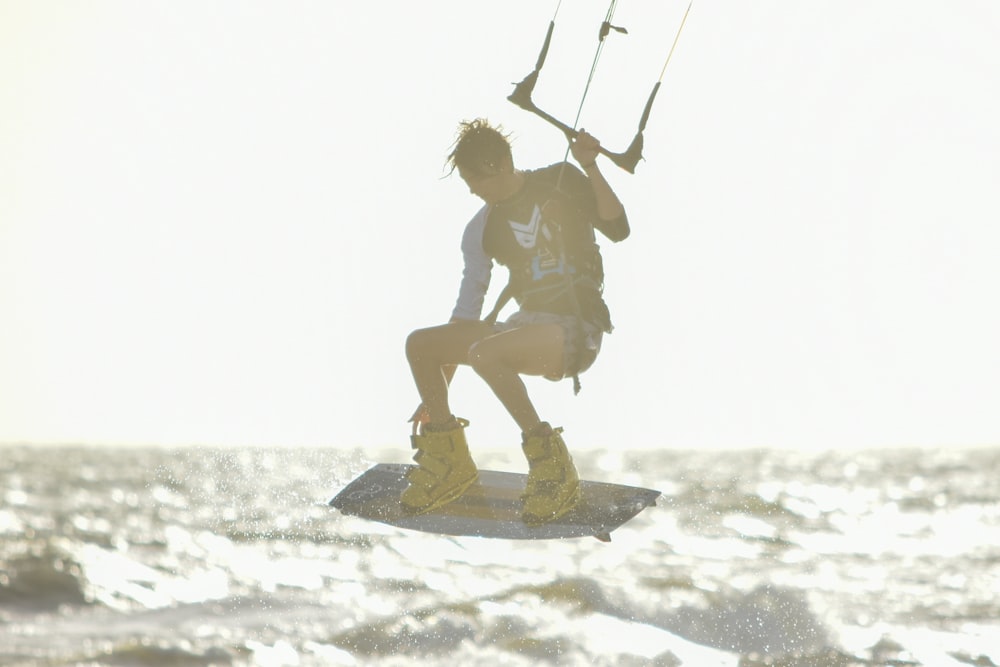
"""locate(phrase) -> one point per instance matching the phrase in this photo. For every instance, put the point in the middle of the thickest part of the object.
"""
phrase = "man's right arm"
(476, 272)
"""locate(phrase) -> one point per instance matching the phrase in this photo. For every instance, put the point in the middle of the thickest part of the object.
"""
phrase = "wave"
(768, 621)
(44, 580)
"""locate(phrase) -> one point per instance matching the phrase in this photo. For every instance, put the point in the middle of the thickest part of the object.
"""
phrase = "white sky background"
(219, 221)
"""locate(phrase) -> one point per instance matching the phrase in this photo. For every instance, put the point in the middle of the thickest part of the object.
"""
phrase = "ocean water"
(199, 556)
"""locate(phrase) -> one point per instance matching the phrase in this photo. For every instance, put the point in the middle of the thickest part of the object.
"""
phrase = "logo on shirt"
(527, 234)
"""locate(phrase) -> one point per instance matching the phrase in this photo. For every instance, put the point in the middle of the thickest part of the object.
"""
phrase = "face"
(490, 187)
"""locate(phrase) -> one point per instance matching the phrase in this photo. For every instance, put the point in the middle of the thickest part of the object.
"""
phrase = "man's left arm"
(612, 221)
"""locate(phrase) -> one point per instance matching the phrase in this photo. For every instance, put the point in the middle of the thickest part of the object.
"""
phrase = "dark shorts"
(580, 347)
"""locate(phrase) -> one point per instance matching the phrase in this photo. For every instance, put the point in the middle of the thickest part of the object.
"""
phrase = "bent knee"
(418, 343)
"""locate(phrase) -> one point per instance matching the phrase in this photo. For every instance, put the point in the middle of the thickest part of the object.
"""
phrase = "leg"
(553, 485)
(429, 351)
(500, 359)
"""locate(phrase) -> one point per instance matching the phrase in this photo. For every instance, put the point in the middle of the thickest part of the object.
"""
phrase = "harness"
(555, 266)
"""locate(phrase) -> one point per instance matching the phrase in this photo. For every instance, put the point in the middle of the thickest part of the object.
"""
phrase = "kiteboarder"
(540, 225)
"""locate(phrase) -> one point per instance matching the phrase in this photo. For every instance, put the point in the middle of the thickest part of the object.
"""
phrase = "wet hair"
(480, 148)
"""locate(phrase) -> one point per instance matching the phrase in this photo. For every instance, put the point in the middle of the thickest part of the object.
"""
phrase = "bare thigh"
(534, 349)
(446, 343)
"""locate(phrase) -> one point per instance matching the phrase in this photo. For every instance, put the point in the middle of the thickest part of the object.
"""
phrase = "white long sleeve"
(477, 270)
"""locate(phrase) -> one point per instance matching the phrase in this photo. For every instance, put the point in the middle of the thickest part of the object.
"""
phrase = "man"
(540, 225)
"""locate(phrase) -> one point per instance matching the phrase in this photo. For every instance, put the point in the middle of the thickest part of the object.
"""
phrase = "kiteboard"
(491, 507)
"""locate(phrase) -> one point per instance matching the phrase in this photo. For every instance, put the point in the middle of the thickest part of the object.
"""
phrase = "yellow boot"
(553, 486)
(444, 471)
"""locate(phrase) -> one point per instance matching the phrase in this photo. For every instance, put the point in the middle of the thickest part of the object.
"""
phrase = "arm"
(476, 273)
(612, 221)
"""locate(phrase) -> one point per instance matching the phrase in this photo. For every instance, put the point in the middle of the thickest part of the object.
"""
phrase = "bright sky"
(219, 221)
